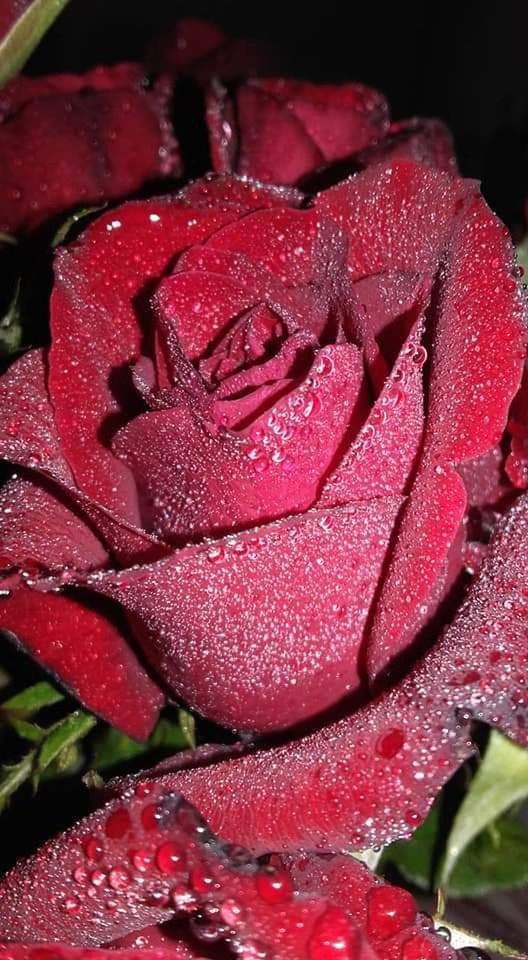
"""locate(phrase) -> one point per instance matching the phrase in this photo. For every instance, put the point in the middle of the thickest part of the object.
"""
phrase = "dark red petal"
(484, 479)
(88, 653)
(387, 915)
(274, 146)
(198, 479)
(241, 193)
(480, 319)
(37, 529)
(23, 89)
(28, 437)
(517, 462)
(372, 776)
(287, 129)
(422, 139)
(66, 150)
(97, 334)
(164, 858)
(379, 462)
(396, 218)
(240, 635)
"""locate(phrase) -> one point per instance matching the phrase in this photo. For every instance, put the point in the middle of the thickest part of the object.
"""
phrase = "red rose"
(132, 875)
(281, 131)
(69, 140)
(259, 410)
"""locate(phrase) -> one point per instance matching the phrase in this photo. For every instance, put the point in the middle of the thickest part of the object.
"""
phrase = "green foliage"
(25, 34)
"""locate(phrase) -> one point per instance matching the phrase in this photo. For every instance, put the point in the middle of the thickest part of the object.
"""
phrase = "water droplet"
(98, 878)
(412, 818)
(201, 881)
(140, 859)
(169, 858)
(119, 879)
(389, 910)
(72, 905)
(216, 553)
(273, 886)
(419, 948)
(149, 817)
(80, 875)
(183, 899)
(93, 849)
(118, 824)
(390, 743)
(333, 938)
(231, 912)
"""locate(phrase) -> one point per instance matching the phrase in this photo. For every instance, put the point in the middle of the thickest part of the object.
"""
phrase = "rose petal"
(141, 859)
(241, 193)
(197, 479)
(387, 915)
(96, 331)
(396, 218)
(287, 129)
(28, 437)
(379, 462)
(201, 50)
(88, 653)
(37, 529)
(239, 635)
(423, 139)
(63, 150)
(371, 777)
(468, 405)
(23, 89)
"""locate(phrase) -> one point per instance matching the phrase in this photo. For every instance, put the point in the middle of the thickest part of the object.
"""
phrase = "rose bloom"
(255, 471)
(131, 876)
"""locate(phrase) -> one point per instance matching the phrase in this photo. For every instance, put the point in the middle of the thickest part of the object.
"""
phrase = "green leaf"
(12, 777)
(500, 781)
(112, 748)
(28, 731)
(495, 860)
(415, 858)
(461, 938)
(188, 727)
(10, 323)
(28, 702)
(24, 35)
(60, 738)
(522, 254)
(65, 228)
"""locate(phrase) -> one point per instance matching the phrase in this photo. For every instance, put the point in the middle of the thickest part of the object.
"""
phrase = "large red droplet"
(118, 824)
(390, 909)
(390, 743)
(170, 858)
(333, 938)
(273, 886)
(418, 948)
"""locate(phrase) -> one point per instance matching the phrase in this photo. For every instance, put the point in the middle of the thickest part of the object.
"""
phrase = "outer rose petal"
(10, 11)
(83, 148)
(424, 140)
(37, 529)
(147, 856)
(197, 479)
(396, 218)
(244, 638)
(201, 50)
(88, 653)
(386, 914)
(241, 193)
(468, 402)
(23, 89)
(96, 322)
(371, 777)
(287, 129)
(28, 437)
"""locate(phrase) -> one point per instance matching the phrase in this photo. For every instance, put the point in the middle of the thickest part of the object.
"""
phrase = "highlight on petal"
(88, 653)
(237, 633)
(372, 777)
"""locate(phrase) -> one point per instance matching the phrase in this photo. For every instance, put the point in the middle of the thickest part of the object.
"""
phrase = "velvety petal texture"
(72, 141)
